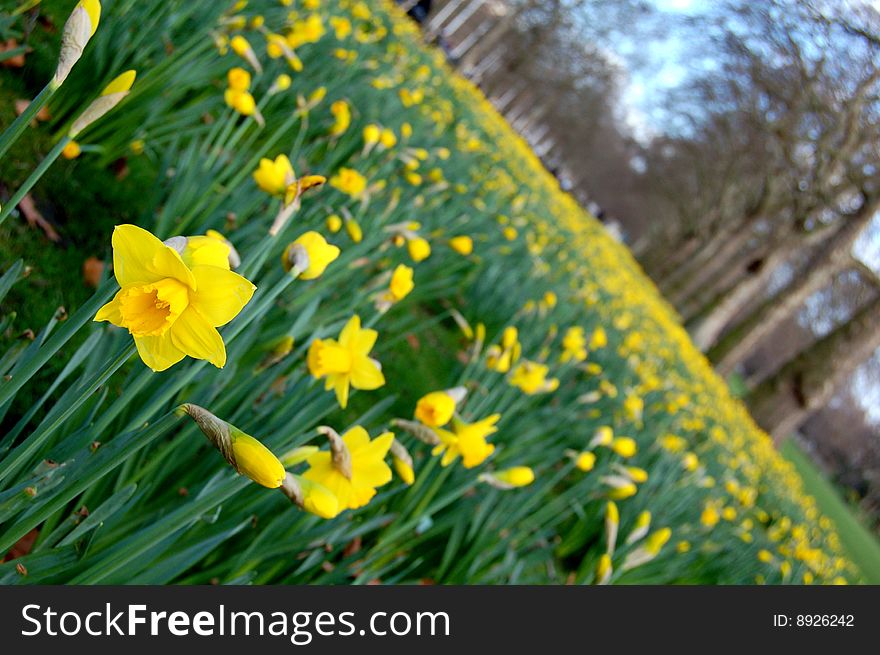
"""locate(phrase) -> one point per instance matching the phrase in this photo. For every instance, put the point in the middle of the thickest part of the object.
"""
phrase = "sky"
(641, 110)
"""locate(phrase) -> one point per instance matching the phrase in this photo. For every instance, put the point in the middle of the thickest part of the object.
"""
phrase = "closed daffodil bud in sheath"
(247, 455)
(79, 28)
(111, 96)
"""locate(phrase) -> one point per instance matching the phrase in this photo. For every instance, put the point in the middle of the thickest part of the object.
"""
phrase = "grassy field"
(551, 420)
(860, 543)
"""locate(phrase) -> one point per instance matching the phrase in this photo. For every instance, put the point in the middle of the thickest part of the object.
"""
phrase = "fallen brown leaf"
(93, 268)
(35, 218)
(16, 61)
(23, 546)
(42, 115)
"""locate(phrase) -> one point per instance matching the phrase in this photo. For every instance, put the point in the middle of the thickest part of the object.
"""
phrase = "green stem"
(34, 177)
(24, 450)
(11, 133)
(10, 386)
(104, 460)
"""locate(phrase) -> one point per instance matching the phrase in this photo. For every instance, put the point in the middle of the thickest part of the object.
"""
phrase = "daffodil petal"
(373, 473)
(365, 374)
(220, 294)
(356, 439)
(341, 387)
(375, 449)
(194, 335)
(110, 311)
(139, 257)
(355, 339)
(360, 496)
(206, 251)
(159, 353)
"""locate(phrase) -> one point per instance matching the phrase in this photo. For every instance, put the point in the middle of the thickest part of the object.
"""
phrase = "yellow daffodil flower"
(353, 481)
(467, 440)
(341, 116)
(574, 345)
(435, 409)
(238, 79)
(274, 176)
(349, 181)
(320, 254)
(346, 363)
(531, 378)
(511, 478)
(170, 309)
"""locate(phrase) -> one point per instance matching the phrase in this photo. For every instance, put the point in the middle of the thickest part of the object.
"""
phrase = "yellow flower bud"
(624, 446)
(404, 470)
(603, 569)
(354, 231)
(387, 138)
(637, 474)
(79, 28)
(585, 461)
(602, 437)
(256, 461)
(623, 491)
(111, 96)
(334, 223)
(419, 249)
(657, 540)
(463, 245)
(516, 476)
(71, 151)
(372, 134)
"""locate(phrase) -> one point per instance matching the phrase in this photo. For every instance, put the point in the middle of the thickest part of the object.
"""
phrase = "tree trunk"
(712, 262)
(737, 298)
(781, 403)
(830, 258)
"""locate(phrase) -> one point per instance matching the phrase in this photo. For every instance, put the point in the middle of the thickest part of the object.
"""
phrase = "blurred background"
(733, 145)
